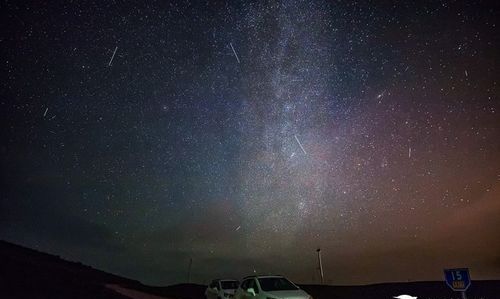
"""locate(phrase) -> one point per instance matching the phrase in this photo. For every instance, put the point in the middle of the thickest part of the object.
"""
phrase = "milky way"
(136, 136)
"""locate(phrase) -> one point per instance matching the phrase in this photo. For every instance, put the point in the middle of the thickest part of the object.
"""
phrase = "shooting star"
(409, 152)
(112, 57)
(379, 96)
(238, 228)
(300, 144)
(466, 73)
(45, 113)
(235, 55)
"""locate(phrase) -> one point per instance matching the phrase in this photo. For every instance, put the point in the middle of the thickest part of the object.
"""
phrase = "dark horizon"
(136, 136)
(127, 280)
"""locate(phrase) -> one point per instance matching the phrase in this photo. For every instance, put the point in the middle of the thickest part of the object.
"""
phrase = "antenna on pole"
(320, 265)
(189, 269)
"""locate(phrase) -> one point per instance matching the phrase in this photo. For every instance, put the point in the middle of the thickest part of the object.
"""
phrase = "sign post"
(458, 280)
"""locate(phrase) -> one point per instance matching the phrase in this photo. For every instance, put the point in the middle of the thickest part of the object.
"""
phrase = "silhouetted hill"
(27, 273)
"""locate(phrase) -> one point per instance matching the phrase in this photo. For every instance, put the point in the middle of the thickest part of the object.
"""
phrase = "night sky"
(137, 135)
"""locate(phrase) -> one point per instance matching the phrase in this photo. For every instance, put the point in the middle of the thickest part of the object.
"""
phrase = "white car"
(269, 287)
(221, 289)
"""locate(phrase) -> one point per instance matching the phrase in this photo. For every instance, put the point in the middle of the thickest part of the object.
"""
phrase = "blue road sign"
(457, 279)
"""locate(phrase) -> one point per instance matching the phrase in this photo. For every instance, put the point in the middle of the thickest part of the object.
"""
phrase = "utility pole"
(320, 265)
(189, 269)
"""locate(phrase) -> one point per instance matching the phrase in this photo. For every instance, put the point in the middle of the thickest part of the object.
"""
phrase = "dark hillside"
(27, 273)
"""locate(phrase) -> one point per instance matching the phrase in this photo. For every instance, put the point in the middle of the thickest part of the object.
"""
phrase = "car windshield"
(276, 284)
(229, 284)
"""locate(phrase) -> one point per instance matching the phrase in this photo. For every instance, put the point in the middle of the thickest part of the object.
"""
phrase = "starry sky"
(244, 135)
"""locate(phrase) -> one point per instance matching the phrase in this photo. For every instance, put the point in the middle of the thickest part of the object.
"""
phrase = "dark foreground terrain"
(486, 289)
(27, 273)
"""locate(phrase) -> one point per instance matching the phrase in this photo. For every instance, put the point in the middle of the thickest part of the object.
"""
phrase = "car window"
(244, 284)
(229, 284)
(276, 284)
(253, 285)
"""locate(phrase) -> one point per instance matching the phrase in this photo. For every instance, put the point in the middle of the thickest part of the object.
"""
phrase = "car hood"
(292, 294)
